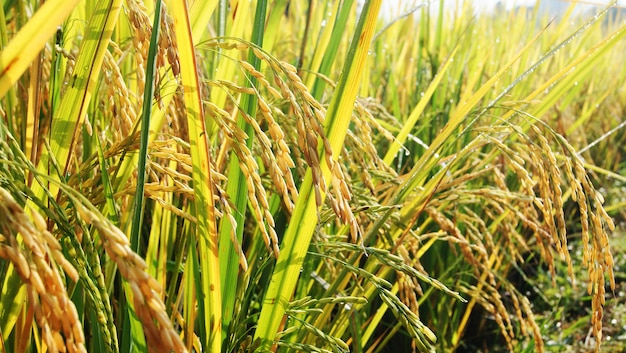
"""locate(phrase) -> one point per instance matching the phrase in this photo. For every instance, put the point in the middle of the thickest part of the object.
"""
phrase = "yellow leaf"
(25, 46)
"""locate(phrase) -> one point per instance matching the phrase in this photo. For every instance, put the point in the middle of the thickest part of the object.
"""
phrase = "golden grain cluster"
(38, 259)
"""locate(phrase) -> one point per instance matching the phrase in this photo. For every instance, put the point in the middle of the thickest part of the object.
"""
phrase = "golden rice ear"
(145, 291)
(37, 258)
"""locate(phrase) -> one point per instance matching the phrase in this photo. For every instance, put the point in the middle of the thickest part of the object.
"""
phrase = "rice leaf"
(209, 289)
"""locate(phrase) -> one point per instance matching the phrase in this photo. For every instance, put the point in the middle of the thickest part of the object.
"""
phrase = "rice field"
(274, 175)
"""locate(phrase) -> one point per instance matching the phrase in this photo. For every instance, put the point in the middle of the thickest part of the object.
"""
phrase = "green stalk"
(237, 187)
(145, 131)
(107, 186)
(130, 320)
(300, 229)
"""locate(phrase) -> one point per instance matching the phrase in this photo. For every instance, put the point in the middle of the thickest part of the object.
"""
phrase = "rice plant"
(229, 176)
